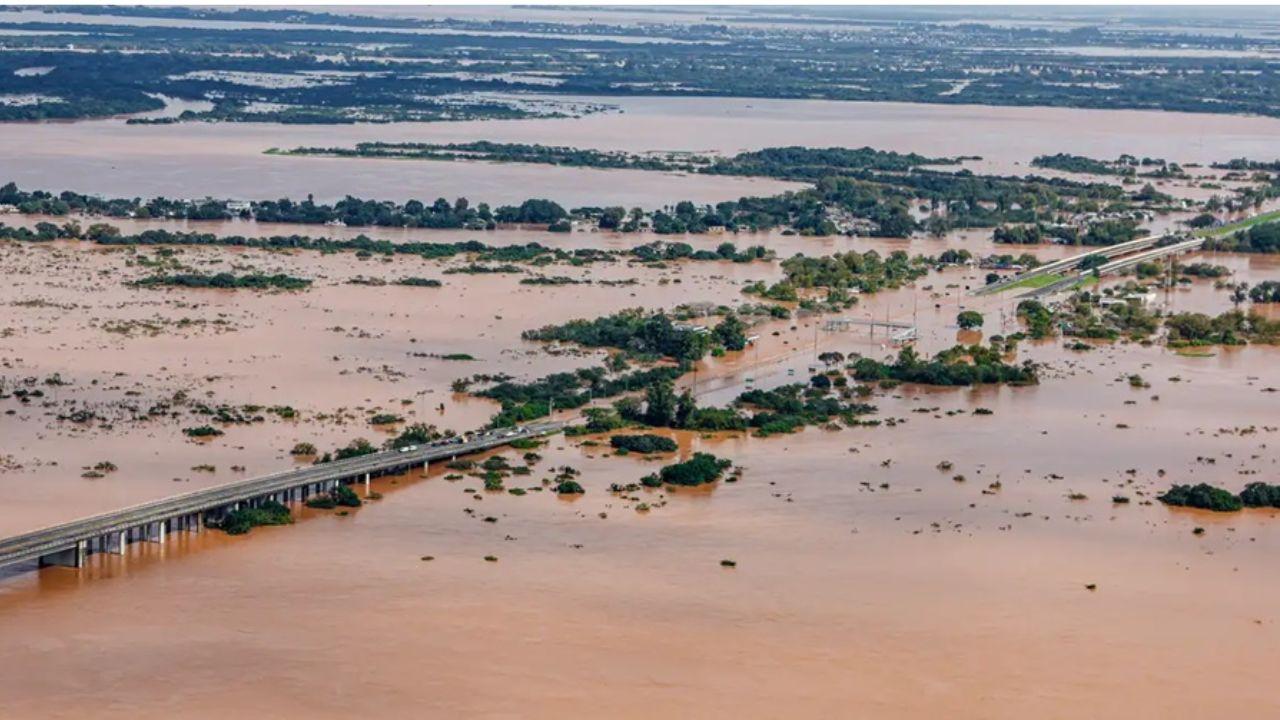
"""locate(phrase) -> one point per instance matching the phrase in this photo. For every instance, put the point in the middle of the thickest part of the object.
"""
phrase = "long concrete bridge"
(1070, 263)
(70, 543)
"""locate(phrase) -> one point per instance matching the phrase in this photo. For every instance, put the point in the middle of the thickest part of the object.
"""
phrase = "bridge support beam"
(117, 542)
(366, 484)
(71, 557)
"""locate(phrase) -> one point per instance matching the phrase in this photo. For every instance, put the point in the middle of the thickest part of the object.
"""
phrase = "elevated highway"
(70, 543)
(1070, 263)
(1118, 265)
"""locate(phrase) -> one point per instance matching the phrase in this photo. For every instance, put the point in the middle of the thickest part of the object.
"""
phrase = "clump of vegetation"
(969, 319)
(522, 402)
(1202, 270)
(1203, 496)
(480, 269)
(701, 469)
(419, 282)
(1260, 494)
(599, 420)
(322, 502)
(789, 408)
(239, 522)
(863, 272)
(1230, 328)
(569, 487)
(644, 444)
(355, 448)
(1038, 318)
(646, 334)
(302, 449)
(416, 434)
(226, 281)
(1260, 238)
(961, 365)
(341, 496)
(1084, 316)
(202, 431)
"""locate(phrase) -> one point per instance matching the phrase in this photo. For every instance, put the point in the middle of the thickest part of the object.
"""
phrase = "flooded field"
(225, 159)
(947, 563)
(866, 577)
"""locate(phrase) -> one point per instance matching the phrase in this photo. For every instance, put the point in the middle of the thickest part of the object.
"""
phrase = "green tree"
(686, 405)
(660, 405)
(969, 319)
(732, 332)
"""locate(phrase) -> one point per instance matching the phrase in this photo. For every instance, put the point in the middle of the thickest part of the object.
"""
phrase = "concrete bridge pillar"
(71, 557)
(196, 523)
(155, 532)
(366, 484)
(117, 542)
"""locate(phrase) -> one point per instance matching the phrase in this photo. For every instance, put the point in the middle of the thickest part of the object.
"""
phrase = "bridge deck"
(33, 545)
(1117, 265)
(1067, 263)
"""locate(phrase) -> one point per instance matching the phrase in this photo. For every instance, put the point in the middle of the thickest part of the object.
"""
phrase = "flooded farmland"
(950, 563)
(836, 592)
(226, 159)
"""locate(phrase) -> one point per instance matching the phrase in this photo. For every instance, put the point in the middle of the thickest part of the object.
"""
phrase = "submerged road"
(69, 543)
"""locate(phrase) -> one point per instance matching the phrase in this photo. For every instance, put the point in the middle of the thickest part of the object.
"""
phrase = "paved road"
(30, 546)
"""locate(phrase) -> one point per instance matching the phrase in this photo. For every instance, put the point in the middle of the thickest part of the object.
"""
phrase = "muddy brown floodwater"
(849, 596)
(868, 582)
(225, 159)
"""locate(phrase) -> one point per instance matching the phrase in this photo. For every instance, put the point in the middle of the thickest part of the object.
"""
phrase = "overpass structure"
(1070, 263)
(69, 544)
(1118, 265)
